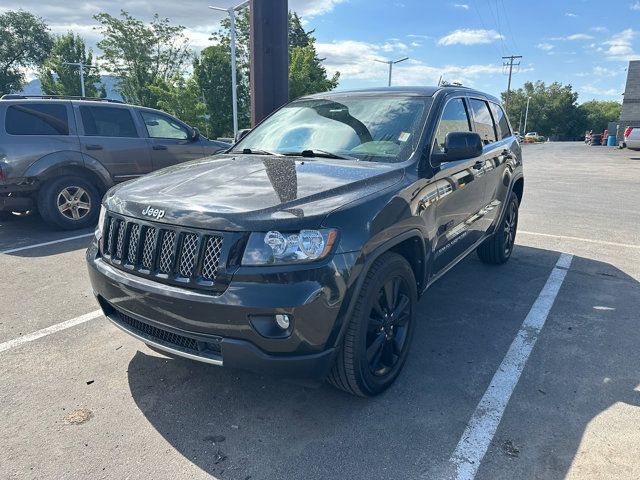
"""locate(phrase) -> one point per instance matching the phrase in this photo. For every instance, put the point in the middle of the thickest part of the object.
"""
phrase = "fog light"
(282, 321)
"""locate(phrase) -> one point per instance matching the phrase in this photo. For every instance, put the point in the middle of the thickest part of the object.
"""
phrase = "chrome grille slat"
(167, 251)
(134, 238)
(188, 254)
(150, 238)
(164, 253)
(121, 228)
(211, 258)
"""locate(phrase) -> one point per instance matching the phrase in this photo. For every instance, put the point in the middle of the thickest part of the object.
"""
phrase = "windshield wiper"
(255, 151)
(324, 154)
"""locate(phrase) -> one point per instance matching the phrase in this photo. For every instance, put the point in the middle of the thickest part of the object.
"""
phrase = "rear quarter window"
(37, 119)
(502, 123)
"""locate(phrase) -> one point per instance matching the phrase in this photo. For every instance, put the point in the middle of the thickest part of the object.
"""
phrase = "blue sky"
(462, 40)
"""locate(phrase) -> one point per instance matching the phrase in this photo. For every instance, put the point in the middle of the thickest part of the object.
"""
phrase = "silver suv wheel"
(74, 203)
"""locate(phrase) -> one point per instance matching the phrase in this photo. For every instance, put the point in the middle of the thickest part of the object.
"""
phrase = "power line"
(509, 61)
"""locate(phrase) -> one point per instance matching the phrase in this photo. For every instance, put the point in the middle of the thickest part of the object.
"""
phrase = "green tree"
(553, 109)
(60, 79)
(140, 55)
(25, 42)
(598, 114)
(212, 74)
(306, 72)
(182, 98)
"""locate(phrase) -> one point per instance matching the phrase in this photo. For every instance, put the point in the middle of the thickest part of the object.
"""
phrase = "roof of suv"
(423, 91)
(57, 98)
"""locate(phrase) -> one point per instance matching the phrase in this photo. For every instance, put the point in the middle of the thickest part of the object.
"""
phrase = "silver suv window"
(107, 122)
(37, 119)
(159, 126)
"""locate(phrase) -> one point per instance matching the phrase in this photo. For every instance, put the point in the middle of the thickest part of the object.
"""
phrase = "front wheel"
(497, 249)
(69, 202)
(380, 329)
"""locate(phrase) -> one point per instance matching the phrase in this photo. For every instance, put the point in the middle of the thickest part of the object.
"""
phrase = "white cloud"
(635, 6)
(621, 46)
(463, 6)
(470, 37)
(595, 90)
(579, 36)
(545, 46)
(355, 60)
(570, 14)
(599, 29)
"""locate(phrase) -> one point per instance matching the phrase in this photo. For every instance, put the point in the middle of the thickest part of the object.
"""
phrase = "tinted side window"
(37, 119)
(501, 121)
(454, 119)
(107, 122)
(483, 121)
(160, 126)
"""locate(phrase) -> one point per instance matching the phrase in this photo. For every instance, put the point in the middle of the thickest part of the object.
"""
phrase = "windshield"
(384, 129)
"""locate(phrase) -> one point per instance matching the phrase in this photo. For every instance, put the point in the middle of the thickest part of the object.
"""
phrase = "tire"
(81, 198)
(387, 340)
(497, 249)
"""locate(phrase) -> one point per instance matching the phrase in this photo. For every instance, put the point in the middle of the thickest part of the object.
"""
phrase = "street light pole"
(391, 63)
(526, 115)
(231, 11)
(81, 65)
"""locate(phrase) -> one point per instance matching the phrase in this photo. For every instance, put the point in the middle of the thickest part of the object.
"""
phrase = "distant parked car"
(632, 138)
(60, 154)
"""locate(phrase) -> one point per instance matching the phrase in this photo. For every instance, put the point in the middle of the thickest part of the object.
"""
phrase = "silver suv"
(60, 154)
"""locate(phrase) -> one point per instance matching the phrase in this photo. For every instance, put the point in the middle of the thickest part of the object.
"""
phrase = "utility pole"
(526, 115)
(391, 63)
(269, 56)
(509, 61)
(81, 65)
(231, 11)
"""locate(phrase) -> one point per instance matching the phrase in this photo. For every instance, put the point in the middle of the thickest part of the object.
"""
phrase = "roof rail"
(15, 96)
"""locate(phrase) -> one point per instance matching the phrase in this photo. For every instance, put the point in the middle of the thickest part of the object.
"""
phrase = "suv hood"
(251, 192)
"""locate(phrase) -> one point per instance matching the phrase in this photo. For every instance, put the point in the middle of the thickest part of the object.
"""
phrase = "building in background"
(630, 114)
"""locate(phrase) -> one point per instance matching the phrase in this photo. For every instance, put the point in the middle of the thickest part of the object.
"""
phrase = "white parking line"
(49, 330)
(465, 460)
(579, 239)
(44, 244)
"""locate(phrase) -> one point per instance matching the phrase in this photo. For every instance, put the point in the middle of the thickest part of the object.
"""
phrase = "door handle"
(93, 147)
(159, 147)
(478, 165)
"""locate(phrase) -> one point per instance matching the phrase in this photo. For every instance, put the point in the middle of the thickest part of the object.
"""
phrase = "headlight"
(100, 226)
(273, 248)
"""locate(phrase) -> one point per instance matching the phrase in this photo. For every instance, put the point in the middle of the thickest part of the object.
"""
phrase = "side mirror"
(458, 146)
(242, 133)
(194, 134)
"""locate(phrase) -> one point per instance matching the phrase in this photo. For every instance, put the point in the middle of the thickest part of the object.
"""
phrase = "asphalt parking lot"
(88, 401)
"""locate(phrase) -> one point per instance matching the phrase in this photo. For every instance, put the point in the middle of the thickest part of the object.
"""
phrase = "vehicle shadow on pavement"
(237, 425)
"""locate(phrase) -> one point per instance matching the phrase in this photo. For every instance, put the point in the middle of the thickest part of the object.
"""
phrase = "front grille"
(165, 337)
(169, 255)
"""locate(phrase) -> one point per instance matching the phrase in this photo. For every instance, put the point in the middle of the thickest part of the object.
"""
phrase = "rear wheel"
(380, 329)
(69, 202)
(497, 249)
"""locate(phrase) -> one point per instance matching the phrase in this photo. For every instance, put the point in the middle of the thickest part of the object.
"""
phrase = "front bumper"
(225, 329)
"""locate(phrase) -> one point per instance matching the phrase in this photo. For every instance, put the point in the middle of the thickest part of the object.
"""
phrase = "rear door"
(499, 164)
(459, 191)
(169, 140)
(110, 135)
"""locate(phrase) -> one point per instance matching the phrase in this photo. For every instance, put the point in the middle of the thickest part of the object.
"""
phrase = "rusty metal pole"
(269, 55)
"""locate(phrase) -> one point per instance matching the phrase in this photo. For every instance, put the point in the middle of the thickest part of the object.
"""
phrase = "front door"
(460, 192)
(169, 140)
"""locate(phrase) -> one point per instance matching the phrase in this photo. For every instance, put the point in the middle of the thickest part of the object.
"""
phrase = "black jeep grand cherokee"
(304, 249)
